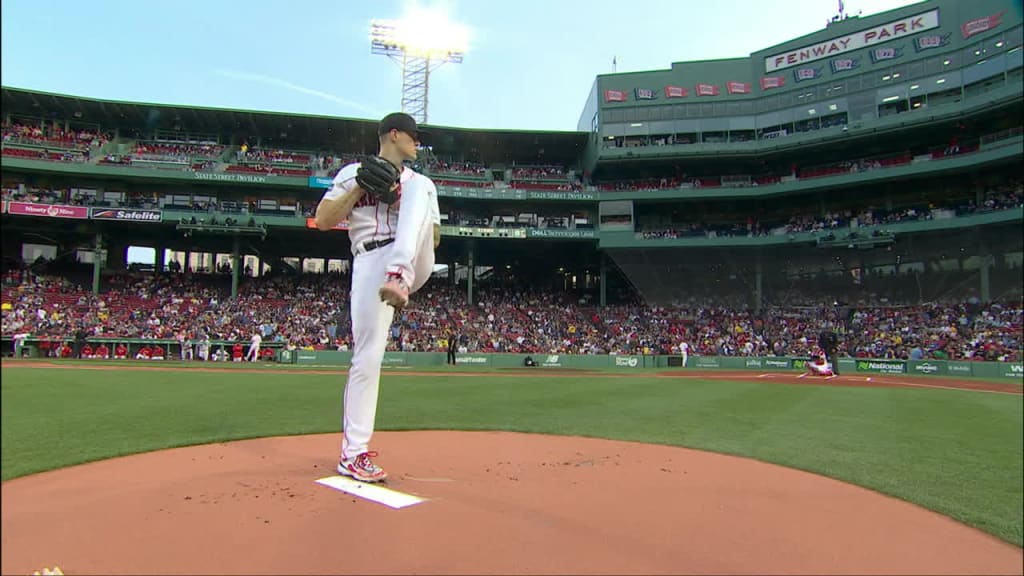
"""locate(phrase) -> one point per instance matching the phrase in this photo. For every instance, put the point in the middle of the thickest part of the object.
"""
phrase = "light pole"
(419, 43)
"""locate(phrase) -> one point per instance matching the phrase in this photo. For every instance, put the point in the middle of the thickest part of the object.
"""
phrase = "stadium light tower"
(420, 42)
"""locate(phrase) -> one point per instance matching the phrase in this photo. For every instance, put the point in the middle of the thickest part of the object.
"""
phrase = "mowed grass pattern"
(959, 453)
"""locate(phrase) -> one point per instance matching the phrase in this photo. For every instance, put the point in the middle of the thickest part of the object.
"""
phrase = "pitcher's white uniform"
(410, 228)
(684, 350)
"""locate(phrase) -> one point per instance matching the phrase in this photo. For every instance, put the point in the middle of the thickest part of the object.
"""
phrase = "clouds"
(348, 105)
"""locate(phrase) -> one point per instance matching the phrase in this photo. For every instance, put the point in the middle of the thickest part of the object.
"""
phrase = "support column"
(758, 294)
(986, 288)
(604, 280)
(469, 276)
(160, 259)
(99, 256)
(235, 266)
(211, 262)
(188, 262)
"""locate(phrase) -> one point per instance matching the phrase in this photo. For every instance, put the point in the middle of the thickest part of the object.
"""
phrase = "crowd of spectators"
(441, 167)
(1003, 197)
(52, 136)
(184, 152)
(539, 173)
(311, 311)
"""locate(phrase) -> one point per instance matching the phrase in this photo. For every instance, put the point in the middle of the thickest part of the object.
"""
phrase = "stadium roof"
(285, 130)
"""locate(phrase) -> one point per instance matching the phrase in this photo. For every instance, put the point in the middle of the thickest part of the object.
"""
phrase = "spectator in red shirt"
(102, 351)
(236, 352)
(121, 351)
(86, 351)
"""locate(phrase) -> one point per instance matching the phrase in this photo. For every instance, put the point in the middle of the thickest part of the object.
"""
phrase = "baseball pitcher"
(394, 227)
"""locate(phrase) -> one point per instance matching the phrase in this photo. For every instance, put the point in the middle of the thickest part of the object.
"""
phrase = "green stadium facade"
(677, 181)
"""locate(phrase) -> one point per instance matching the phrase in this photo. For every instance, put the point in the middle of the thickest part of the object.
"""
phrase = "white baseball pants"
(412, 255)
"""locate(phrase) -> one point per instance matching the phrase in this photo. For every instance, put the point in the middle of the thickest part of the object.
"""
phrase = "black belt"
(373, 245)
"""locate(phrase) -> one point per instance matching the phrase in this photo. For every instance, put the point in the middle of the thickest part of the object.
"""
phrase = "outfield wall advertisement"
(848, 366)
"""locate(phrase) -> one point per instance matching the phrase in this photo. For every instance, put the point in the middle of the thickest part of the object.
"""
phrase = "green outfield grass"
(959, 453)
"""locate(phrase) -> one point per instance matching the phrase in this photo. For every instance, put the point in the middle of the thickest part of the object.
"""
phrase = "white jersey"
(371, 221)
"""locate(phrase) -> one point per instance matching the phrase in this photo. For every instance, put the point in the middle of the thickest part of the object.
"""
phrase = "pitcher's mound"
(494, 503)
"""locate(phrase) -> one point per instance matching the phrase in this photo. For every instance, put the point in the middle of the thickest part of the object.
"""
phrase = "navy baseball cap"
(402, 122)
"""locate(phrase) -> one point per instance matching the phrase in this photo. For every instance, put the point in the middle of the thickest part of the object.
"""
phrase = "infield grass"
(956, 452)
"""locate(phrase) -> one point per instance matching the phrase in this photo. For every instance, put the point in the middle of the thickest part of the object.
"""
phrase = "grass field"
(959, 453)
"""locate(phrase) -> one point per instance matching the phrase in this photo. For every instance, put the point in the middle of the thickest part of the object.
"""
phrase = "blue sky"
(530, 63)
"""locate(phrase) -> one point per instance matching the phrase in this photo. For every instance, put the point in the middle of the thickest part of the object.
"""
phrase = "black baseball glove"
(379, 178)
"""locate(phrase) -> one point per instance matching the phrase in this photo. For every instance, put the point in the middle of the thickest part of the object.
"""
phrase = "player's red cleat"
(395, 291)
(362, 468)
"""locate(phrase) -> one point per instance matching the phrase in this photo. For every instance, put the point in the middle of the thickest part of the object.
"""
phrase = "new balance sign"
(771, 363)
(126, 215)
(925, 368)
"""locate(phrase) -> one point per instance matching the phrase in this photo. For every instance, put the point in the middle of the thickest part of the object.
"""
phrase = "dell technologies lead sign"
(126, 215)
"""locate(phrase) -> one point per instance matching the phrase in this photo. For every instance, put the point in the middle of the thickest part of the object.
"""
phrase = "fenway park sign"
(126, 215)
(863, 39)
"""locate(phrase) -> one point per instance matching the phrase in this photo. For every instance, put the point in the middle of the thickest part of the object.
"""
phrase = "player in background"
(820, 366)
(254, 348)
(394, 227)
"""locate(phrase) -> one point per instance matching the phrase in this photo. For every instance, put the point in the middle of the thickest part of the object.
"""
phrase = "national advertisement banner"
(125, 215)
(882, 366)
(48, 210)
(769, 82)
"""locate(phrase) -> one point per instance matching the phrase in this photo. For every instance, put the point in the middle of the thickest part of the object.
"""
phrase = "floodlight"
(420, 42)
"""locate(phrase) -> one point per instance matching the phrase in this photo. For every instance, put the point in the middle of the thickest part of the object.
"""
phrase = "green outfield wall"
(866, 366)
